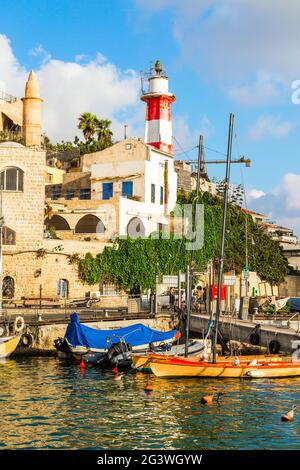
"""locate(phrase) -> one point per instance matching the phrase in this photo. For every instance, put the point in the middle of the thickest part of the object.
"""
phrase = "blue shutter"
(127, 188)
(107, 190)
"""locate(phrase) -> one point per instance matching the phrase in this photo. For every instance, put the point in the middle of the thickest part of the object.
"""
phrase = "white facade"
(150, 173)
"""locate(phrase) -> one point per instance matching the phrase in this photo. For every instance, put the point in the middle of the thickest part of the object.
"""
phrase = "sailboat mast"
(221, 256)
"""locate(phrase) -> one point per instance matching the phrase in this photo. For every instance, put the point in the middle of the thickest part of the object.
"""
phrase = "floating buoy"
(115, 370)
(82, 364)
(208, 399)
(290, 415)
(148, 387)
(118, 377)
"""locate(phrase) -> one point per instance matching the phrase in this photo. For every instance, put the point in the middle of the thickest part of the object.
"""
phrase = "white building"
(129, 188)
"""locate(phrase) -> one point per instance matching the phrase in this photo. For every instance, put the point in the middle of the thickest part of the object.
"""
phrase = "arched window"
(12, 179)
(135, 228)
(90, 224)
(8, 287)
(57, 222)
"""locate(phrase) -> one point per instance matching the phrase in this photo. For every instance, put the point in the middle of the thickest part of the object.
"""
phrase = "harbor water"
(49, 404)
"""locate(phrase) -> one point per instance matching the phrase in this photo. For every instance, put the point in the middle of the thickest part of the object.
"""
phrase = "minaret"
(158, 130)
(32, 128)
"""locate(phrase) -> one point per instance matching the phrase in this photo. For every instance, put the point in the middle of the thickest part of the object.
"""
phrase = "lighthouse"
(158, 129)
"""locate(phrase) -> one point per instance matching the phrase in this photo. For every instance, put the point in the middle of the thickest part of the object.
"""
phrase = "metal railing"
(8, 98)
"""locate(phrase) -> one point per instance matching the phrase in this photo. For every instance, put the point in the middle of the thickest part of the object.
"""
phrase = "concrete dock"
(240, 330)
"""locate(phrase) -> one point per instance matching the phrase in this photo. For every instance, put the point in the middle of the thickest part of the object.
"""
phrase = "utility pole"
(221, 256)
(188, 309)
(190, 270)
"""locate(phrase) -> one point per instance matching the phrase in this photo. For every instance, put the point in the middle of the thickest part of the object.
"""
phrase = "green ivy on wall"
(135, 263)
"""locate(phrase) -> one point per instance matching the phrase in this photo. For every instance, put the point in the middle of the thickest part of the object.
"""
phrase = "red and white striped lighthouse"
(158, 130)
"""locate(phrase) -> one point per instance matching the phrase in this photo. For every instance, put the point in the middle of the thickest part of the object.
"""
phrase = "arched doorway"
(57, 222)
(136, 228)
(8, 287)
(90, 224)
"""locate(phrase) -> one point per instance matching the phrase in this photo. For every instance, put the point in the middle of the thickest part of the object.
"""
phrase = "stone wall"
(23, 211)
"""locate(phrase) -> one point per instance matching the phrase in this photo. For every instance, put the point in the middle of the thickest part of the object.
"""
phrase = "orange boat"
(142, 361)
(238, 367)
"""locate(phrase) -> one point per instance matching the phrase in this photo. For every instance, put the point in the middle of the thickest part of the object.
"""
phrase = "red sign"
(214, 292)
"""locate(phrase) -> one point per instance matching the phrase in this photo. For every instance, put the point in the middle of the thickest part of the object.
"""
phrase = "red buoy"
(82, 364)
(115, 370)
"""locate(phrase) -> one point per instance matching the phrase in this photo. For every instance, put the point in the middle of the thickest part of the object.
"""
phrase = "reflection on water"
(48, 404)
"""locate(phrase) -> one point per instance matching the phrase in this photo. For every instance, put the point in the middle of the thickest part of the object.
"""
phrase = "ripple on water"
(48, 404)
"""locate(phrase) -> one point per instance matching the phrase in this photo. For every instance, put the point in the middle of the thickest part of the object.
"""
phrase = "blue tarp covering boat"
(78, 334)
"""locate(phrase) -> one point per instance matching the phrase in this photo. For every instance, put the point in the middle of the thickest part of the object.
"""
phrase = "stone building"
(129, 188)
(33, 265)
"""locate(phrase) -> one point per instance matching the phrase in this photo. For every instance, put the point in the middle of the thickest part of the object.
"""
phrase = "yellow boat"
(142, 361)
(230, 368)
(8, 345)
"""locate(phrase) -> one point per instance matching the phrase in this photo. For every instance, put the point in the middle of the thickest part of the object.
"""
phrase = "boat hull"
(183, 368)
(8, 345)
(141, 361)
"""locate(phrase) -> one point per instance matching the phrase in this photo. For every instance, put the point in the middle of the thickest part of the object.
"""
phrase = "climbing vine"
(135, 263)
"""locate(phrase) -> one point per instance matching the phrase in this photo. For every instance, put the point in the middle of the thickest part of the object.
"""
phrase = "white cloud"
(269, 126)
(253, 194)
(13, 75)
(187, 138)
(39, 51)
(232, 40)
(70, 88)
(260, 92)
(282, 203)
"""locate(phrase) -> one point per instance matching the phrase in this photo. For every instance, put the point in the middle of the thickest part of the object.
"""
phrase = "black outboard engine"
(61, 345)
(118, 354)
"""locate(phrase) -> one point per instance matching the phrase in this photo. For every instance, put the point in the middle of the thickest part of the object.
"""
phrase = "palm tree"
(88, 124)
(104, 133)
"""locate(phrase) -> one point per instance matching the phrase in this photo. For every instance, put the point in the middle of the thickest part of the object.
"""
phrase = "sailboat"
(230, 367)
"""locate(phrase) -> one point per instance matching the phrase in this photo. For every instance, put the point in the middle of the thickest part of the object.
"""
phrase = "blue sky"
(221, 56)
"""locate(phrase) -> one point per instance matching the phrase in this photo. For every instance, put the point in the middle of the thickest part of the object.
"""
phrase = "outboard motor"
(118, 353)
(61, 345)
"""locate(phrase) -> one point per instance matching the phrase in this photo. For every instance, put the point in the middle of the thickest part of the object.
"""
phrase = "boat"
(120, 355)
(196, 348)
(101, 346)
(8, 345)
(219, 367)
(234, 367)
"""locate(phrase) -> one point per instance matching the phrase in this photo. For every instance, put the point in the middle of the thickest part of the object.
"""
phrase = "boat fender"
(19, 324)
(274, 346)
(254, 339)
(26, 340)
(255, 373)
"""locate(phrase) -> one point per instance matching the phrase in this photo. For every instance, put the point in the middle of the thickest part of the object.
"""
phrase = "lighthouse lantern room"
(158, 129)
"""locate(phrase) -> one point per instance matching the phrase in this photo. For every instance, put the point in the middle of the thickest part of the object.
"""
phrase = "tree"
(88, 123)
(104, 133)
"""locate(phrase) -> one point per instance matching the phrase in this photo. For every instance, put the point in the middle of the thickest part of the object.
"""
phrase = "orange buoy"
(208, 399)
(118, 377)
(289, 416)
(148, 387)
